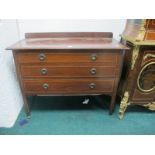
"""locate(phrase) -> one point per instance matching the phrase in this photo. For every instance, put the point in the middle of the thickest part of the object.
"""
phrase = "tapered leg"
(26, 106)
(112, 104)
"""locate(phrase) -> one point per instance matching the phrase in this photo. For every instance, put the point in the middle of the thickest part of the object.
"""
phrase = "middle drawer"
(39, 71)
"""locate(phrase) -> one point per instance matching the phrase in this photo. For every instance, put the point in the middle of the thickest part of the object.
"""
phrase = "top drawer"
(47, 57)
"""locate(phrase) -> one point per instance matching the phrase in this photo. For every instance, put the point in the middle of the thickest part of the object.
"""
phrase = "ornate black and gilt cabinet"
(137, 86)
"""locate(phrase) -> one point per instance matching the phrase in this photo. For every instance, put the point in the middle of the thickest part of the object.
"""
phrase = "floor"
(70, 116)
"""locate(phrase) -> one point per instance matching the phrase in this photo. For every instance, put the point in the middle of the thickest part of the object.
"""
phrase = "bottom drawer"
(66, 86)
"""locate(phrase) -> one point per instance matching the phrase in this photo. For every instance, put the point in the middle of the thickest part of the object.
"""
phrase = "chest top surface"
(68, 40)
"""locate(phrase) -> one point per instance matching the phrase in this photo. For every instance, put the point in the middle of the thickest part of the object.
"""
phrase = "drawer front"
(40, 71)
(64, 86)
(111, 59)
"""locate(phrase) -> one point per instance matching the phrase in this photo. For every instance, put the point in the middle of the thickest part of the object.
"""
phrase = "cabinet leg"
(112, 104)
(26, 107)
(150, 106)
(124, 104)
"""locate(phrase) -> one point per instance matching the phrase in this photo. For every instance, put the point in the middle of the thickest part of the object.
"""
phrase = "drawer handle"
(42, 56)
(44, 71)
(45, 86)
(93, 57)
(92, 85)
(93, 71)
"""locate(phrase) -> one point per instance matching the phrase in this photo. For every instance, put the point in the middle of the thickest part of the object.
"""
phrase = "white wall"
(8, 33)
(115, 26)
(10, 95)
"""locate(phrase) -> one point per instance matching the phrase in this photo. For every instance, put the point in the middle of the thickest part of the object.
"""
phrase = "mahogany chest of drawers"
(68, 64)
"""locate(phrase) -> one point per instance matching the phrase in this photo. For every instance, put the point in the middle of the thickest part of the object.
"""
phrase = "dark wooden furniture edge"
(69, 34)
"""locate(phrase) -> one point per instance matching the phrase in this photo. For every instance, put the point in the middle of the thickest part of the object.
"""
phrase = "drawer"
(39, 71)
(66, 86)
(111, 59)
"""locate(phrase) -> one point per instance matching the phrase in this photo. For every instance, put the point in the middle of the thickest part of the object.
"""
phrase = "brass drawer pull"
(93, 71)
(45, 86)
(44, 71)
(92, 85)
(93, 57)
(42, 56)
